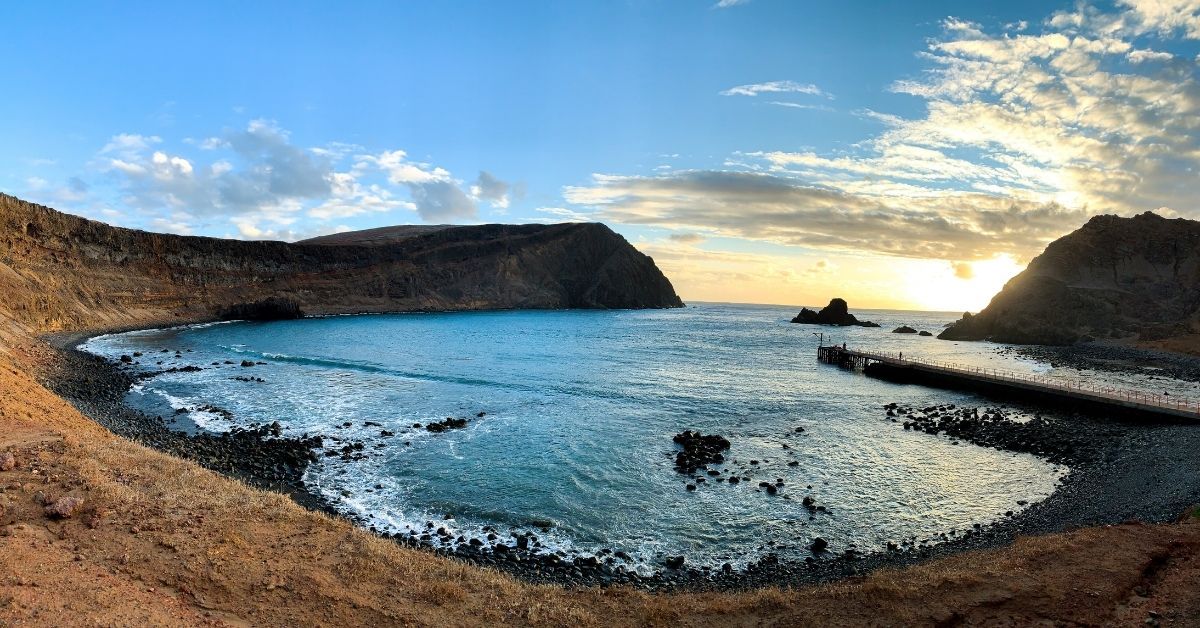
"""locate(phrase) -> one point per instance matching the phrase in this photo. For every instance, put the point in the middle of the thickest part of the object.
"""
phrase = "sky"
(914, 156)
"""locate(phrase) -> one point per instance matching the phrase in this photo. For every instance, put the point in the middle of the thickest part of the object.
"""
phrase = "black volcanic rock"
(1112, 278)
(836, 313)
(698, 450)
(904, 329)
(71, 272)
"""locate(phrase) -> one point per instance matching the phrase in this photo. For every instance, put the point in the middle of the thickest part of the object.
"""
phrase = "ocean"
(570, 418)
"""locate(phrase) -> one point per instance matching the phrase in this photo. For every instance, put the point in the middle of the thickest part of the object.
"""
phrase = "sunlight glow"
(960, 287)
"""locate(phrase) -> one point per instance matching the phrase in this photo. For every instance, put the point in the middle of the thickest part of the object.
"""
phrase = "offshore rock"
(836, 313)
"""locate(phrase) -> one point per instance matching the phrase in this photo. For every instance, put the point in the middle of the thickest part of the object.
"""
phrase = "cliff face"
(62, 272)
(1113, 278)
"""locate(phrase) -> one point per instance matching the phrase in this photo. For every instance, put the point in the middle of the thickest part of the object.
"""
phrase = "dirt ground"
(160, 541)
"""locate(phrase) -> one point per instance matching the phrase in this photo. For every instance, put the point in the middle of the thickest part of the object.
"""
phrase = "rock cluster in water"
(449, 423)
(699, 450)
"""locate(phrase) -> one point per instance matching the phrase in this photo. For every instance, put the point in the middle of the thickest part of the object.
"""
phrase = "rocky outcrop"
(59, 271)
(904, 329)
(1113, 278)
(836, 313)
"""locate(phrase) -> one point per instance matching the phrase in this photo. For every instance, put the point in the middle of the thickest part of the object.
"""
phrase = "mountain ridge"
(64, 272)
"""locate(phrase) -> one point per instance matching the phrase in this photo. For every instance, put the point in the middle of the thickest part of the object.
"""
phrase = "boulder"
(924, 333)
(64, 507)
(904, 329)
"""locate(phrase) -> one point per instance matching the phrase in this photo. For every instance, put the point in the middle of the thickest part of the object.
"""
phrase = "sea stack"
(836, 313)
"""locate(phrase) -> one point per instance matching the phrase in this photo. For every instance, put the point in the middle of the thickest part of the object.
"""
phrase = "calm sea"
(580, 408)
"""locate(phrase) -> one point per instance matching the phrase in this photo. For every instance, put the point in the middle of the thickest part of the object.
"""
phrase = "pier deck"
(1095, 396)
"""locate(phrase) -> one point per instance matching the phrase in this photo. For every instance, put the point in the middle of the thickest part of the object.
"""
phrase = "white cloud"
(1165, 17)
(263, 183)
(488, 188)
(129, 143)
(401, 171)
(436, 196)
(725, 4)
(441, 201)
(562, 214)
(1142, 56)
(775, 87)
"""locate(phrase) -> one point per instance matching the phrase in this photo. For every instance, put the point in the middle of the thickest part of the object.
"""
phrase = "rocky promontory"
(836, 313)
(1123, 278)
(63, 272)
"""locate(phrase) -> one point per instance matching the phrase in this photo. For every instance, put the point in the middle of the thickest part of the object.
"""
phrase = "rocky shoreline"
(1120, 471)
(1114, 358)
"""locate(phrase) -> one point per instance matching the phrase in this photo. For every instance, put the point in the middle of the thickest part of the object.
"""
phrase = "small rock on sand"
(64, 507)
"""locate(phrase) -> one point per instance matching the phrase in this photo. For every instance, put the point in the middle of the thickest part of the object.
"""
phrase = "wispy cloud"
(796, 105)
(725, 4)
(775, 87)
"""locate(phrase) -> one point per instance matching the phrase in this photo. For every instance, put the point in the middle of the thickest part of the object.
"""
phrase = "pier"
(1074, 394)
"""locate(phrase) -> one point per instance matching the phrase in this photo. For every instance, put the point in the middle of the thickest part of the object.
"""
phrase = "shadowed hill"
(1112, 278)
(59, 271)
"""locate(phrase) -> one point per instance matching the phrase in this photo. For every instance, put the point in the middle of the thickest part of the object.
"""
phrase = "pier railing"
(1094, 390)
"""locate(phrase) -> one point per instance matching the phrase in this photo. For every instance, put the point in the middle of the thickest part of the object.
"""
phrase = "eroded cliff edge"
(59, 271)
(1128, 278)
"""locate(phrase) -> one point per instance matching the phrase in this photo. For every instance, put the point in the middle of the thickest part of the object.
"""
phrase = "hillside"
(62, 272)
(1132, 278)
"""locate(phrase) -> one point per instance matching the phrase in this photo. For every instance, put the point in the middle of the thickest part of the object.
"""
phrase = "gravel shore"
(1120, 471)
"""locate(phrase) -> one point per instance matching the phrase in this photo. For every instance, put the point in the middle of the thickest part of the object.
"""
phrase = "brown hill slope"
(1112, 278)
(64, 272)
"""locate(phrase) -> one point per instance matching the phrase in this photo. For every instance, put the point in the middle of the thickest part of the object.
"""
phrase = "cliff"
(62, 272)
(1112, 278)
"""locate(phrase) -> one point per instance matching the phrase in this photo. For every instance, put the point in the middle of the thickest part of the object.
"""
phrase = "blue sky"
(767, 144)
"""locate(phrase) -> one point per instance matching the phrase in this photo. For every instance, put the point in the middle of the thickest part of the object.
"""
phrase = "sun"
(960, 286)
